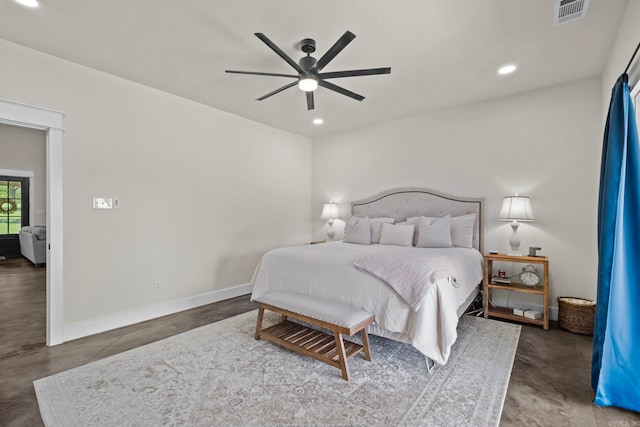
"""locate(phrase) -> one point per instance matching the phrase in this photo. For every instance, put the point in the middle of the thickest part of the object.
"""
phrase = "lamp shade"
(516, 208)
(329, 211)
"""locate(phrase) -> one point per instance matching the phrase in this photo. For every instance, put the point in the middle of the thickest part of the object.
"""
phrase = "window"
(634, 84)
(635, 96)
(14, 210)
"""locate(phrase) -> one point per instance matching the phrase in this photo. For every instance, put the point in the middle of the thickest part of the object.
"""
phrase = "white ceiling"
(442, 53)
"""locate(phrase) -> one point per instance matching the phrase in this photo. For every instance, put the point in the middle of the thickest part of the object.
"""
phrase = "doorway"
(29, 116)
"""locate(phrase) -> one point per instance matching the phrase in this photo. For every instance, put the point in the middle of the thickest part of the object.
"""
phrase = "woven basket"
(576, 315)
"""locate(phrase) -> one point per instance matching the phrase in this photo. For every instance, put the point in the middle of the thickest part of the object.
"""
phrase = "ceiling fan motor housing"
(307, 62)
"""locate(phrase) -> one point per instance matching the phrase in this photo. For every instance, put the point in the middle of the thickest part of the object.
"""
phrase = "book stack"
(501, 280)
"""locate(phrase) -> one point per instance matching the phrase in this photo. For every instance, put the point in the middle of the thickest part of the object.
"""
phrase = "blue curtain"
(615, 370)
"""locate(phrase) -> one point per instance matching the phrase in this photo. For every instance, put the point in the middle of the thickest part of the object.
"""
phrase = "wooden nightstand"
(542, 289)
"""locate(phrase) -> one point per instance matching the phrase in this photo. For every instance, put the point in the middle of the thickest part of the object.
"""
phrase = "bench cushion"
(330, 312)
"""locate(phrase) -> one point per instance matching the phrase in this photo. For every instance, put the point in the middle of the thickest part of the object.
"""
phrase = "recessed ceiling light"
(318, 121)
(28, 3)
(507, 69)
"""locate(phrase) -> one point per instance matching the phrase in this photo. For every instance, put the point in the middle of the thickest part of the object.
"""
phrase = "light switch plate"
(102, 203)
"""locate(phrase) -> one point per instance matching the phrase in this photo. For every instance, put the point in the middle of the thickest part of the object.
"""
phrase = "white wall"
(203, 193)
(544, 144)
(24, 149)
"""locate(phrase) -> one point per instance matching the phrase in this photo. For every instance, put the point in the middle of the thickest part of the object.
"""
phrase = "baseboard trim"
(85, 328)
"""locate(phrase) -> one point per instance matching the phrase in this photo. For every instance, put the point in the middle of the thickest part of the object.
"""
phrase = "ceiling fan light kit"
(309, 76)
(308, 84)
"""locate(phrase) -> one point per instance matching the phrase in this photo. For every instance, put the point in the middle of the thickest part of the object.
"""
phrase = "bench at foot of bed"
(338, 318)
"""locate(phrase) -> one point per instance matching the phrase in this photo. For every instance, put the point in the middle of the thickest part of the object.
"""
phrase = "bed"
(328, 271)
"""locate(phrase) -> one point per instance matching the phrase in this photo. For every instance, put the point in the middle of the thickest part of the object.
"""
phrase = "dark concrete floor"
(549, 384)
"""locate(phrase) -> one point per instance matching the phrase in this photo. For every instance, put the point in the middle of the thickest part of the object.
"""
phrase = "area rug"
(219, 375)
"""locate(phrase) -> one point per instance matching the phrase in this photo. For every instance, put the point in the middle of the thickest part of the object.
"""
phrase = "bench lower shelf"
(329, 348)
(309, 342)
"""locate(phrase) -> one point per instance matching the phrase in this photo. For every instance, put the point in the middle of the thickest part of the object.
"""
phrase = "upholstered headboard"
(403, 203)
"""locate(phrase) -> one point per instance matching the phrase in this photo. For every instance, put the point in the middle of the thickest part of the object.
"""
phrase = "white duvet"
(327, 271)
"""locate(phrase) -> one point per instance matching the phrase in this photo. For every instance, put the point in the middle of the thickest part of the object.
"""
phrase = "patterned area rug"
(218, 375)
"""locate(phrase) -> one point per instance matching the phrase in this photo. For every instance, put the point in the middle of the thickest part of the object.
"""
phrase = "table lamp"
(330, 211)
(516, 208)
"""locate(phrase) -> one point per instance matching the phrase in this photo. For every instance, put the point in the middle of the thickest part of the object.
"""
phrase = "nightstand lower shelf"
(507, 313)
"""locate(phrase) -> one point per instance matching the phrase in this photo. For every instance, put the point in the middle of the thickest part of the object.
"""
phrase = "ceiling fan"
(309, 69)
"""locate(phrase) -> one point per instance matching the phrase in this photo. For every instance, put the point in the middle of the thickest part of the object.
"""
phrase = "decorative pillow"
(399, 234)
(434, 234)
(357, 230)
(40, 233)
(462, 230)
(376, 227)
(415, 221)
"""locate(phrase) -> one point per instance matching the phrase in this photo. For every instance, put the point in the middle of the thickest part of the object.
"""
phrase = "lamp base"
(514, 241)
(331, 233)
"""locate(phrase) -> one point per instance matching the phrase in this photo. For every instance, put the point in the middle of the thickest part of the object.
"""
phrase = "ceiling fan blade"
(277, 91)
(256, 73)
(352, 73)
(280, 53)
(335, 49)
(341, 90)
(310, 105)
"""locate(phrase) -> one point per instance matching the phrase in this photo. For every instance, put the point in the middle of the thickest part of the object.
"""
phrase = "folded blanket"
(409, 274)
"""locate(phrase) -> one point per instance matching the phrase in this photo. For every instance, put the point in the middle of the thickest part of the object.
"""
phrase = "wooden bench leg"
(342, 355)
(365, 344)
(259, 323)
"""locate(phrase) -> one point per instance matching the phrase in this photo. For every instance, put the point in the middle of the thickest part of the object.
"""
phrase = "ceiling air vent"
(569, 10)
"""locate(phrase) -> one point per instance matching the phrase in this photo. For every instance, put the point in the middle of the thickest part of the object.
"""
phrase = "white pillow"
(357, 230)
(462, 230)
(376, 227)
(415, 221)
(399, 234)
(434, 234)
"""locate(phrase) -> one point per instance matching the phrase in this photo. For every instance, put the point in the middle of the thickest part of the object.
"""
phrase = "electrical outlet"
(157, 286)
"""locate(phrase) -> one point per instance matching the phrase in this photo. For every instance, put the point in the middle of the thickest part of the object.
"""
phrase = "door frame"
(30, 116)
